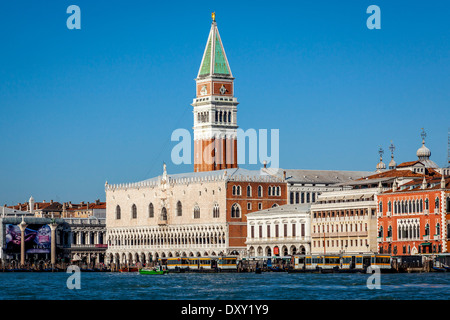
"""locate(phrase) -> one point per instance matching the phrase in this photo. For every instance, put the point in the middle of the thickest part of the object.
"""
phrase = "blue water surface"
(223, 286)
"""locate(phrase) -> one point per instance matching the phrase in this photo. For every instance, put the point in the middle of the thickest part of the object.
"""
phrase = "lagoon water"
(223, 286)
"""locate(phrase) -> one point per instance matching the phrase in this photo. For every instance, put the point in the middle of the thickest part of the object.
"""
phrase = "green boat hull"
(142, 271)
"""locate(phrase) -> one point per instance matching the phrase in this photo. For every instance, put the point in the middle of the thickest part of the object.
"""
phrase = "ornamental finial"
(423, 135)
(213, 16)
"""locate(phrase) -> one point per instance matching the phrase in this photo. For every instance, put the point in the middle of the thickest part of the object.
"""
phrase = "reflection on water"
(242, 286)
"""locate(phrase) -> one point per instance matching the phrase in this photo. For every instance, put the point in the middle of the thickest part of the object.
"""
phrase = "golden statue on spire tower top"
(213, 15)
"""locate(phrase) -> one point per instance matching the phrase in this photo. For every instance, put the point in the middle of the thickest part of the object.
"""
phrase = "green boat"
(154, 270)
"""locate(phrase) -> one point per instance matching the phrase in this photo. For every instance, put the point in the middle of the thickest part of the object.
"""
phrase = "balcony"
(437, 237)
(379, 239)
(162, 222)
(426, 237)
(388, 239)
(388, 214)
(426, 211)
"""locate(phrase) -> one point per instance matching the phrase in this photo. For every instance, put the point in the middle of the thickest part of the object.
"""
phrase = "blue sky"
(79, 107)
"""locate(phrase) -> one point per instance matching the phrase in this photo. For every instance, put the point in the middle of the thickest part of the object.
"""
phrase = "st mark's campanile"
(215, 123)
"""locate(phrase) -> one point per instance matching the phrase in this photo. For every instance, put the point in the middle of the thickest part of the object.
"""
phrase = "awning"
(425, 244)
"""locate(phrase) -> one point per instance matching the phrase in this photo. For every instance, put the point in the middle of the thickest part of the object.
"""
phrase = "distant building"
(81, 240)
(415, 218)
(65, 210)
(84, 210)
(304, 186)
(187, 214)
(355, 220)
(40, 209)
(279, 231)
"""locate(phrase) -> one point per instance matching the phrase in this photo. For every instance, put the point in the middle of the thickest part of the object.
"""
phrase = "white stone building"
(279, 231)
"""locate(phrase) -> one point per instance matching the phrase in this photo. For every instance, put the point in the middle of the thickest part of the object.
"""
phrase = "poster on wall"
(37, 238)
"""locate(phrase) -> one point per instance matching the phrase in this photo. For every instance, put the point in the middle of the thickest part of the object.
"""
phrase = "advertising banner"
(37, 238)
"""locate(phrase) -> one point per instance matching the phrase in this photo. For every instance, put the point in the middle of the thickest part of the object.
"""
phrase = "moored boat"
(129, 270)
(154, 270)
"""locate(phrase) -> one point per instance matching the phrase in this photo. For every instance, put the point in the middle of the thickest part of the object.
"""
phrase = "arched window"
(179, 209)
(133, 212)
(196, 212)
(381, 207)
(421, 206)
(216, 212)
(438, 229)
(448, 204)
(436, 203)
(164, 214)
(118, 213)
(427, 229)
(229, 116)
(239, 190)
(235, 211)
(151, 211)
(249, 191)
(426, 204)
(260, 191)
(275, 205)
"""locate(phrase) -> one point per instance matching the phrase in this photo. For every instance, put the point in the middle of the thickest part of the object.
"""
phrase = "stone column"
(53, 227)
(22, 227)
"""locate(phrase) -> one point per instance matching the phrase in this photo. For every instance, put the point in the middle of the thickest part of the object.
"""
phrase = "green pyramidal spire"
(214, 60)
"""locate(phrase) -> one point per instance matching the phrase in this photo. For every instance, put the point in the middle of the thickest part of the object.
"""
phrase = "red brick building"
(244, 197)
(414, 218)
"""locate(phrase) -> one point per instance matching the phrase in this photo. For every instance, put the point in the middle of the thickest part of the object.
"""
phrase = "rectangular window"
(293, 230)
(276, 231)
(285, 230)
(303, 229)
(260, 231)
(297, 196)
(253, 231)
(292, 198)
(268, 231)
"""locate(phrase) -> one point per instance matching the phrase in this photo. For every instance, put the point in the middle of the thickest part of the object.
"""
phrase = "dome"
(423, 153)
(392, 164)
(381, 166)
